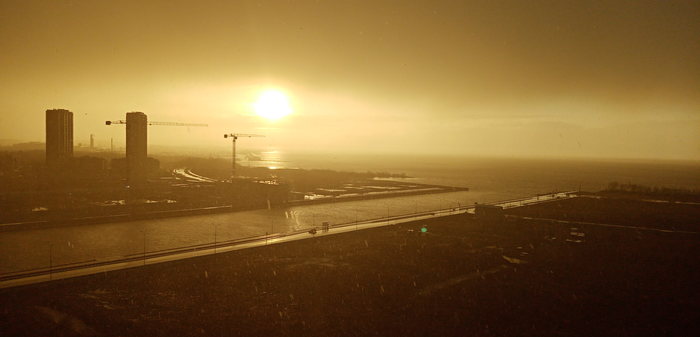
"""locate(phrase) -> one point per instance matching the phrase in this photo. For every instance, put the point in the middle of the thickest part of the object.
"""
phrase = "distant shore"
(124, 217)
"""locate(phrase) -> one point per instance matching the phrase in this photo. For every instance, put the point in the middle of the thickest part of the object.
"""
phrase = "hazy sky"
(514, 78)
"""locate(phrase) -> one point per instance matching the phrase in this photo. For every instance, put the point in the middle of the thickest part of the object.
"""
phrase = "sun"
(272, 104)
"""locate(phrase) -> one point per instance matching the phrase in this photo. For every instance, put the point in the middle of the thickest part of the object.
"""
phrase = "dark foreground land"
(463, 277)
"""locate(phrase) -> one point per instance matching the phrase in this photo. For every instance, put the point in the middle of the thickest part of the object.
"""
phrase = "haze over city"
(617, 79)
(349, 168)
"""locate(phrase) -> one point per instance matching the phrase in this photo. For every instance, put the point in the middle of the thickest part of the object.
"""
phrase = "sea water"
(489, 180)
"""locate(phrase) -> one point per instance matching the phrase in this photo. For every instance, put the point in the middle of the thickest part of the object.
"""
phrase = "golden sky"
(509, 78)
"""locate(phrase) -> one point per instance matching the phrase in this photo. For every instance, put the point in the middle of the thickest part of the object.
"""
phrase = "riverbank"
(124, 217)
(458, 277)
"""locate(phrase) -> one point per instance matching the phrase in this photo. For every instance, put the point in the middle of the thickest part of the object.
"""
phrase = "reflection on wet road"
(150, 241)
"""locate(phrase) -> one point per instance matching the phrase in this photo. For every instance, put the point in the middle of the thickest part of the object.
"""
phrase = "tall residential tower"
(59, 138)
(136, 148)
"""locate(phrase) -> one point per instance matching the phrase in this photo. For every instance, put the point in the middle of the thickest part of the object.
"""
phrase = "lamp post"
(50, 261)
(449, 204)
(355, 218)
(144, 246)
(387, 214)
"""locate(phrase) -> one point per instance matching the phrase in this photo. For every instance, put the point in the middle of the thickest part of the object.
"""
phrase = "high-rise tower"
(59, 138)
(137, 162)
(136, 148)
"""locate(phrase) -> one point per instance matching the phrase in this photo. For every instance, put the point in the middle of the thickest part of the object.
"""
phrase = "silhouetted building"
(8, 163)
(59, 138)
(89, 165)
(488, 212)
(118, 167)
(28, 146)
(136, 148)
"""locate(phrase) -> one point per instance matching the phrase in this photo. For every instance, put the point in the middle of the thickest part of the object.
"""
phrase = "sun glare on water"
(272, 105)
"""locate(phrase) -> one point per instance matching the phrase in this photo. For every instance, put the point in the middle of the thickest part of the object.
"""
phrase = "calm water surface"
(489, 180)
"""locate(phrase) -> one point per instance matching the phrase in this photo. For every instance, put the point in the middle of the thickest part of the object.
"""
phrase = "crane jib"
(160, 123)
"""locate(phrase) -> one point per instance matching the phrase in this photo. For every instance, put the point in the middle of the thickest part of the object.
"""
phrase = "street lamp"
(50, 261)
(388, 214)
(144, 246)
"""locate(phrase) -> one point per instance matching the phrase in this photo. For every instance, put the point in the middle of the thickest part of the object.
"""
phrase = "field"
(462, 277)
(618, 211)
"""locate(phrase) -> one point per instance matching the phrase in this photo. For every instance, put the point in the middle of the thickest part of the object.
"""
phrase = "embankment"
(460, 277)
(123, 217)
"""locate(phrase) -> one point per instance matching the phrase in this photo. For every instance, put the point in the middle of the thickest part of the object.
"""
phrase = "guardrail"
(138, 259)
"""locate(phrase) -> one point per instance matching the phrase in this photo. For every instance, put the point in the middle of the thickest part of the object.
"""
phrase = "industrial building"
(136, 148)
(59, 138)
(488, 213)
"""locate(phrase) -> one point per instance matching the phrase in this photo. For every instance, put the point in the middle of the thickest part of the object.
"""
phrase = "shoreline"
(77, 269)
(463, 276)
(126, 217)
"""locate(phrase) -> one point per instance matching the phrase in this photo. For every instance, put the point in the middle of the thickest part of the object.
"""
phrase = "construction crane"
(137, 144)
(234, 137)
(158, 123)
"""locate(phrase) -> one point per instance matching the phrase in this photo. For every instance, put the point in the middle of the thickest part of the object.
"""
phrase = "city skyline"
(349, 167)
(548, 79)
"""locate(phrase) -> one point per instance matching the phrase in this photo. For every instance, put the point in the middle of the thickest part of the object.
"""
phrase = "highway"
(94, 266)
(189, 176)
